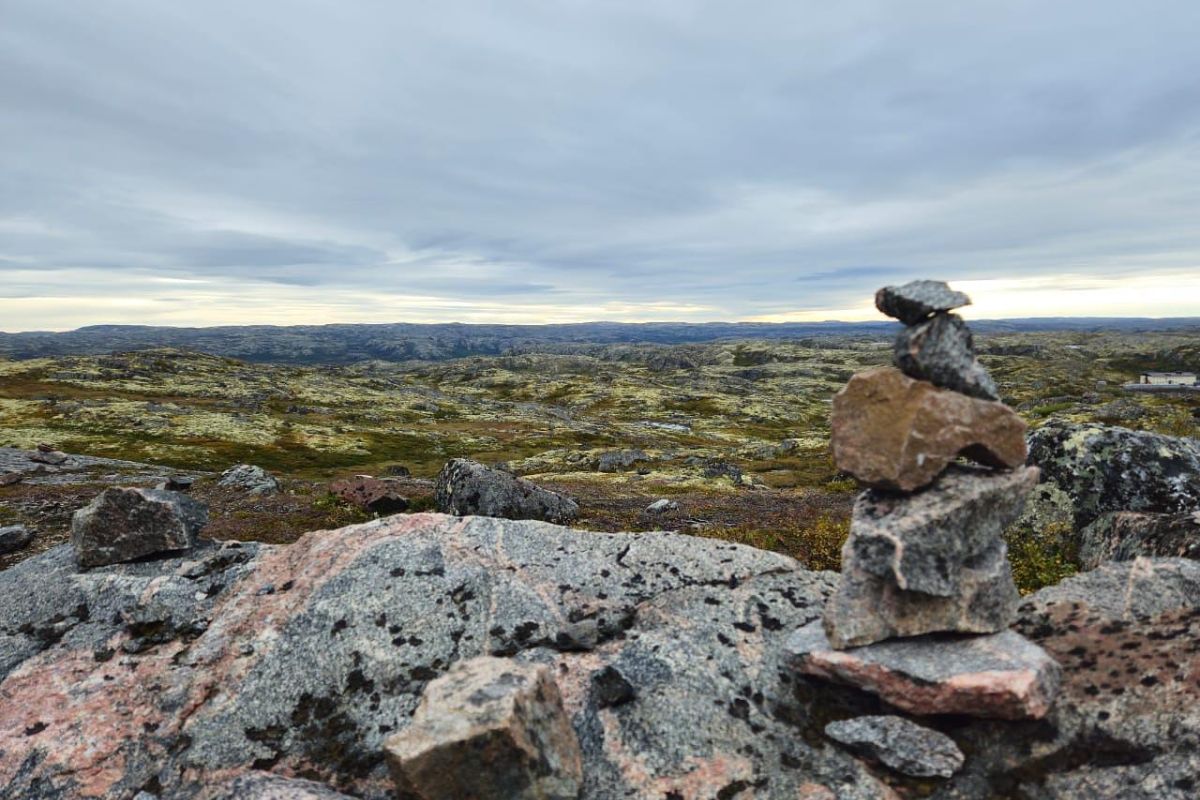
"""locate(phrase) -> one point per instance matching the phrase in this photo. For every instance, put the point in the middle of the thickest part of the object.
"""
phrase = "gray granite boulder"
(916, 300)
(1125, 535)
(13, 538)
(491, 729)
(1104, 468)
(466, 487)
(123, 524)
(940, 350)
(899, 744)
(249, 478)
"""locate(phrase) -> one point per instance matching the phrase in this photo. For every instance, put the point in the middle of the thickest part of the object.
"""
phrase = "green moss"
(1042, 558)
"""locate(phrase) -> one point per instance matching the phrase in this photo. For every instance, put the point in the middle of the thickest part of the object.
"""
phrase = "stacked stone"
(926, 553)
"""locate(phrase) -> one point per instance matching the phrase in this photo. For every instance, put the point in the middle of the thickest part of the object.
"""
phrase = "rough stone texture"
(1103, 468)
(265, 786)
(1001, 675)
(941, 350)
(186, 672)
(916, 300)
(893, 432)
(370, 494)
(491, 729)
(922, 541)
(14, 537)
(250, 478)
(11, 478)
(52, 457)
(177, 483)
(662, 506)
(868, 609)
(124, 524)
(1124, 535)
(899, 744)
(467, 487)
(77, 469)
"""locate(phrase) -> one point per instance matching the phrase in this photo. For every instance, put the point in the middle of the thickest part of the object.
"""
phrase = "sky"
(313, 161)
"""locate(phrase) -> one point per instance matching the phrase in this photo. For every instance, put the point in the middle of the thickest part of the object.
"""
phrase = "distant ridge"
(340, 344)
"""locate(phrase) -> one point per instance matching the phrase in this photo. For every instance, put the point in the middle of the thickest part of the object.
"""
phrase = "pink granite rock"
(1001, 675)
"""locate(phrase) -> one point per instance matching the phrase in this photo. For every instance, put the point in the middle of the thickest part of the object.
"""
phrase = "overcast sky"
(216, 161)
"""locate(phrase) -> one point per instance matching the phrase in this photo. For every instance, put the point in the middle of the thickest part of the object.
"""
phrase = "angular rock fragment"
(916, 300)
(52, 457)
(869, 609)
(921, 542)
(124, 524)
(466, 487)
(249, 478)
(893, 432)
(488, 728)
(900, 744)
(999, 676)
(371, 494)
(662, 506)
(13, 538)
(611, 688)
(177, 483)
(940, 350)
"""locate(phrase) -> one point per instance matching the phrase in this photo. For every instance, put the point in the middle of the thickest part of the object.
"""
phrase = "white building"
(1168, 379)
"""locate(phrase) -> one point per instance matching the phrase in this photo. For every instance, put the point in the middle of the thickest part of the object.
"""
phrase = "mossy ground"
(760, 408)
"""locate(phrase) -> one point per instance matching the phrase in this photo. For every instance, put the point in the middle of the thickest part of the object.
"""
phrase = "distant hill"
(341, 344)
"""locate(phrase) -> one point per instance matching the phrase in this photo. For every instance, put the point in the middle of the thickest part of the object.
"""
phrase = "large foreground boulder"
(466, 487)
(124, 524)
(187, 675)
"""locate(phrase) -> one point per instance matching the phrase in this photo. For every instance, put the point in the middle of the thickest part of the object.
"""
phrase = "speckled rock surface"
(181, 674)
(941, 350)
(14, 537)
(1124, 535)
(997, 676)
(122, 524)
(468, 487)
(1104, 468)
(916, 300)
(265, 786)
(250, 478)
(899, 744)
(492, 729)
(893, 432)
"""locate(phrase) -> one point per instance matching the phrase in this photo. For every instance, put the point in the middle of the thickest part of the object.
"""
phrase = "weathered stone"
(1001, 675)
(370, 494)
(869, 609)
(922, 541)
(916, 300)
(617, 460)
(303, 659)
(13, 538)
(899, 744)
(490, 728)
(249, 478)
(1125, 535)
(265, 786)
(466, 487)
(940, 350)
(124, 524)
(1103, 468)
(52, 457)
(893, 432)
(177, 483)
(662, 506)
(11, 478)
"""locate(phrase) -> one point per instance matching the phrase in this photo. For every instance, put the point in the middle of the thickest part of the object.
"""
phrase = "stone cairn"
(922, 613)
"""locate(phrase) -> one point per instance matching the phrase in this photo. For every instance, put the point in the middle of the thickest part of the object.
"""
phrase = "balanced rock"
(893, 432)
(124, 524)
(466, 487)
(899, 744)
(370, 494)
(941, 350)
(249, 478)
(916, 300)
(488, 728)
(998, 676)
(13, 538)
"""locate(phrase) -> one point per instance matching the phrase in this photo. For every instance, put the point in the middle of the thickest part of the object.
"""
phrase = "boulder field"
(253, 671)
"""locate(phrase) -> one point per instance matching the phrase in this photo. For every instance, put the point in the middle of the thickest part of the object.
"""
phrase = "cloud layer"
(549, 160)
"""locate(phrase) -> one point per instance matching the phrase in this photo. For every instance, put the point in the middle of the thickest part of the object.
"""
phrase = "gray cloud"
(733, 159)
